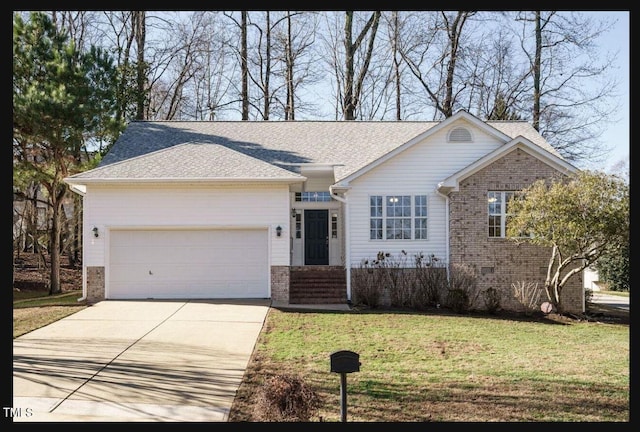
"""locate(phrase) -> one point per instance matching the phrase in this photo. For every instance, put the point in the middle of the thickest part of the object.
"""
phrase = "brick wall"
(95, 284)
(280, 283)
(500, 262)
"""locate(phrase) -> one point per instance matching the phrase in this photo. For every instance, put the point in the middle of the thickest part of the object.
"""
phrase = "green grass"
(447, 368)
(34, 309)
(419, 367)
(614, 293)
(24, 299)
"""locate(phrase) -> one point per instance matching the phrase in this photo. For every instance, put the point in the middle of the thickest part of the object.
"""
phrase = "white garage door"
(168, 264)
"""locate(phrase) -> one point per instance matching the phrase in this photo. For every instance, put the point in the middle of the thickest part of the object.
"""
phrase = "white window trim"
(504, 198)
(383, 218)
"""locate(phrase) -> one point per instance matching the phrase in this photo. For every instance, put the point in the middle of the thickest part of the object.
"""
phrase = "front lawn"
(441, 367)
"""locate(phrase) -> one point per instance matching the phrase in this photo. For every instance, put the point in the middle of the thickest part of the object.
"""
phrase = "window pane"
(421, 228)
(375, 229)
(494, 226)
(375, 204)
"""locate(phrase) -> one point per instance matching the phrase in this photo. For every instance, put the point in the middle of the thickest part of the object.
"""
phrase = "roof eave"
(285, 180)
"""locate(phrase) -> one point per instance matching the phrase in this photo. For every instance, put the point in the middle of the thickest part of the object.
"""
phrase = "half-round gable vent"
(460, 134)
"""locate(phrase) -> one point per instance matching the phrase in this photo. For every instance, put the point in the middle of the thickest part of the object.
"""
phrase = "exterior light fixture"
(293, 212)
(95, 232)
(278, 231)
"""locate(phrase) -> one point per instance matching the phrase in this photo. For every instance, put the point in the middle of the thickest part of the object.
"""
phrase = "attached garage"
(188, 264)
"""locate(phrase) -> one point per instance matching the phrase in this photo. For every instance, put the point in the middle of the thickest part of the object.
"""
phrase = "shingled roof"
(284, 145)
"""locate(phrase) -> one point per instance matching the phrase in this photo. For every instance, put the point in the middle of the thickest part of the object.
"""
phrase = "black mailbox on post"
(345, 362)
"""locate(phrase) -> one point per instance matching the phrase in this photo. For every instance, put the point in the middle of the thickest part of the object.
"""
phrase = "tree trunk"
(244, 67)
(536, 74)
(55, 286)
(289, 110)
(140, 29)
(352, 87)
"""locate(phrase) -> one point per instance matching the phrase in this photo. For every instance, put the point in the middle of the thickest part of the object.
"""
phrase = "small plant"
(463, 288)
(492, 300)
(458, 300)
(527, 294)
(431, 281)
(367, 287)
(284, 398)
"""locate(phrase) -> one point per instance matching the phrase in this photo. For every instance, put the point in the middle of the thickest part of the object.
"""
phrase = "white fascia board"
(286, 180)
(78, 188)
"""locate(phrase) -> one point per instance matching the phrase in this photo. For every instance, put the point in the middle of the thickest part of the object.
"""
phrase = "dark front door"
(316, 237)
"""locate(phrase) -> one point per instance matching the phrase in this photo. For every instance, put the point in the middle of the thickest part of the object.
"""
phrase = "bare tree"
(572, 94)
(212, 80)
(353, 82)
(437, 72)
(263, 61)
(497, 82)
(140, 28)
(394, 25)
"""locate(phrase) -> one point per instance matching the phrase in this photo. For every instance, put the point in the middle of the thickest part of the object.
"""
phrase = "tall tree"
(353, 82)
(60, 98)
(395, 36)
(436, 73)
(293, 43)
(289, 59)
(244, 65)
(572, 93)
(140, 30)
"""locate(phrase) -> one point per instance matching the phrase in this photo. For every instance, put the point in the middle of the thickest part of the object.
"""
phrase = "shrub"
(492, 300)
(430, 282)
(366, 285)
(463, 288)
(391, 280)
(613, 269)
(284, 398)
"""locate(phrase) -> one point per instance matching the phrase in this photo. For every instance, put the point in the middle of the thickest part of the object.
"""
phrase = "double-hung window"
(498, 214)
(398, 217)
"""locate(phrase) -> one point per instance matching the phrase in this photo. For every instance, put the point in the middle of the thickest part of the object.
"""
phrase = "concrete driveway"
(126, 361)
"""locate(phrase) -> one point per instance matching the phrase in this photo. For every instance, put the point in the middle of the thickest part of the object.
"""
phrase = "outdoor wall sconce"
(278, 231)
(95, 232)
(293, 212)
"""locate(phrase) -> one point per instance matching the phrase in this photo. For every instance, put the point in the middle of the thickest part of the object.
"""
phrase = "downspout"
(347, 248)
(446, 223)
(82, 192)
(84, 267)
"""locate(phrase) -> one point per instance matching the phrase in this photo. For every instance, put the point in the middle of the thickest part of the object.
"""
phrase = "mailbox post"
(344, 362)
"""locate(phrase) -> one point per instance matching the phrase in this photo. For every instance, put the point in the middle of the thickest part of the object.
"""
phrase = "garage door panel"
(188, 264)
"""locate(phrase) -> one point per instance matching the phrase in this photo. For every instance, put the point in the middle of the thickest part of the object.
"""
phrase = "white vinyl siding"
(192, 207)
(416, 171)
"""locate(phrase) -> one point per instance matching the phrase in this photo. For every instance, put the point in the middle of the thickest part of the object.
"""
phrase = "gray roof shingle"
(283, 145)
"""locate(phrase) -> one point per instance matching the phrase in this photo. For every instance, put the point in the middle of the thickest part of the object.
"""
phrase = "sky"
(617, 134)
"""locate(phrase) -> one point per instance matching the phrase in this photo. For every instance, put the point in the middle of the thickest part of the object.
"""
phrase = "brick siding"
(500, 262)
(95, 284)
(280, 283)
